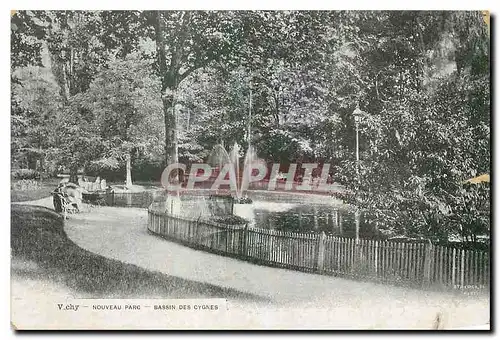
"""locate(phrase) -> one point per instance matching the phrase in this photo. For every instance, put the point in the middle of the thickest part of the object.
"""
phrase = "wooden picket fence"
(416, 264)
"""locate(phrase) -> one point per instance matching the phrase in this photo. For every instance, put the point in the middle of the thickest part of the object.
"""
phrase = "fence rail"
(419, 264)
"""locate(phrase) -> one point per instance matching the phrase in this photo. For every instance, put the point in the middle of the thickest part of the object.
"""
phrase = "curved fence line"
(415, 264)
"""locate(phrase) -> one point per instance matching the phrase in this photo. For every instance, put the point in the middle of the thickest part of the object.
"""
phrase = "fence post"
(245, 241)
(453, 269)
(376, 258)
(270, 239)
(358, 249)
(197, 231)
(462, 269)
(428, 257)
(320, 260)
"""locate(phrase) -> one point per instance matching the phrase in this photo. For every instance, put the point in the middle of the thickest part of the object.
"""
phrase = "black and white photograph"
(250, 169)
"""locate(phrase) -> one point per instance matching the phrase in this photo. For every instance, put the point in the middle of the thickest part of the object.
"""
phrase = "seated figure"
(103, 184)
(71, 192)
(75, 196)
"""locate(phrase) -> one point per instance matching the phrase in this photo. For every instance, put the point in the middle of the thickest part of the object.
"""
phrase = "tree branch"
(160, 47)
(196, 65)
(177, 47)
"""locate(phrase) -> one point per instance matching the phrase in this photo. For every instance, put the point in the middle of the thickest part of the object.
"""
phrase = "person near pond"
(73, 194)
(103, 184)
(56, 199)
(96, 186)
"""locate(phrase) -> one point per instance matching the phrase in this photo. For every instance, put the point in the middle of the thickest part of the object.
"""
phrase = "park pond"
(302, 218)
(286, 212)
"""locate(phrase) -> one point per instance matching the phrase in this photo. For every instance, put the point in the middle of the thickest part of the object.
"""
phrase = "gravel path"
(120, 233)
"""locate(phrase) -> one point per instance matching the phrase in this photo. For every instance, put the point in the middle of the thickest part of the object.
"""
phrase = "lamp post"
(249, 123)
(276, 90)
(357, 117)
(248, 168)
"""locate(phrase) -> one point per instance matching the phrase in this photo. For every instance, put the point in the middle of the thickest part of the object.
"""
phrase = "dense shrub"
(144, 170)
(26, 184)
(25, 174)
(229, 219)
(242, 200)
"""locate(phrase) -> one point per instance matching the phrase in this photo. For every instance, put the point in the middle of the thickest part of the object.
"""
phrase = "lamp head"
(357, 114)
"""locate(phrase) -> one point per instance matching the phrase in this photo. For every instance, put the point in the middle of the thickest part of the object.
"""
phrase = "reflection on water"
(135, 199)
(304, 218)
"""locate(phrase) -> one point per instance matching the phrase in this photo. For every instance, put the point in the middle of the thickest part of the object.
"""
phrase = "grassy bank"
(37, 235)
(46, 186)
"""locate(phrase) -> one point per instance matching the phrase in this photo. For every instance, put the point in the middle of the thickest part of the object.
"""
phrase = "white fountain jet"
(234, 158)
(220, 157)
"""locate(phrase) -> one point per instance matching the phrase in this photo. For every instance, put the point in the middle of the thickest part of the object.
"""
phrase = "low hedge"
(21, 174)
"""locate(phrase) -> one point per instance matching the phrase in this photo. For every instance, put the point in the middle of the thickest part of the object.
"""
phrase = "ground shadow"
(38, 237)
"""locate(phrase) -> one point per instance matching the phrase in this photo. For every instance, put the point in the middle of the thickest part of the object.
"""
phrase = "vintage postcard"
(250, 170)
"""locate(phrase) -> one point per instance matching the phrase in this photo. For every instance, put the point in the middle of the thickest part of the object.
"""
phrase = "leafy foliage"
(167, 86)
(125, 108)
(25, 174)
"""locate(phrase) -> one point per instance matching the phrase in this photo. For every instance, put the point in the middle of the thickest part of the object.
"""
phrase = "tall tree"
(39, 103)
(424, 135)
(77, 45)
(123, 100)
(187, 41)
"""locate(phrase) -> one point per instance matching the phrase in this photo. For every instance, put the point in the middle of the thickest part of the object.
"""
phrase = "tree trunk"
(171, 142)
(42, 164)
(31, 160)
(73, 175)
(128, 182)
(168, 88)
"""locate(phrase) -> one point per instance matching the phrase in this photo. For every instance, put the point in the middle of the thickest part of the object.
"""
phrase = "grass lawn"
(37, 235)
(46, 187)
